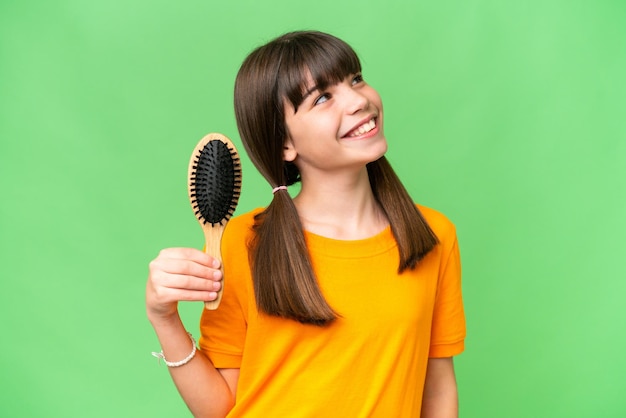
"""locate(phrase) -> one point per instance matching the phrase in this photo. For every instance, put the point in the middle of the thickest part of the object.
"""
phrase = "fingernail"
(217, 274)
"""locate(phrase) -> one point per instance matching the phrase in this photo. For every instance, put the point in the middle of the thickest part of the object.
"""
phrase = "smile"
(362, 129)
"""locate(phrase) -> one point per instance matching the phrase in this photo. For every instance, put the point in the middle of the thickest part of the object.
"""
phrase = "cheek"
(313, 129)
(378, 103)
(376, 99)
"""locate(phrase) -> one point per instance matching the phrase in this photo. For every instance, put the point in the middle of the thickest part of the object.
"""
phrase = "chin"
(380, 151)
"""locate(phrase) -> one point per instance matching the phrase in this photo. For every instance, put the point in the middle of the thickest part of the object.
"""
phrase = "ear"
(289, 150)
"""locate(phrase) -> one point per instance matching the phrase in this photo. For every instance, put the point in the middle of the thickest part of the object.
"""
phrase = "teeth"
(366, 127)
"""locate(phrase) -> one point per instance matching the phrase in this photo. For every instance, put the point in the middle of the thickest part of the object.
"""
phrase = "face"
(338, 129)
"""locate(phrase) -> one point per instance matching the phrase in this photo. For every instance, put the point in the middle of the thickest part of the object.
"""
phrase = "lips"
(362, 128)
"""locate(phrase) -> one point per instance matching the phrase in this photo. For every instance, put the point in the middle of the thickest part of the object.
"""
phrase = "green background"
(508, 116)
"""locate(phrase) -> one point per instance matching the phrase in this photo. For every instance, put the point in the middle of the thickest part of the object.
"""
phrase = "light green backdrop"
(508, 116)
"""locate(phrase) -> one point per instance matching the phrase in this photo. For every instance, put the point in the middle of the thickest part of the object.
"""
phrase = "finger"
(167, 295)
(191, 254)
(184, 267)
(184, 282)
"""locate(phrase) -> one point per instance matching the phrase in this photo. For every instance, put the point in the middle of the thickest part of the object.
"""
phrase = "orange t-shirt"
(370, 362)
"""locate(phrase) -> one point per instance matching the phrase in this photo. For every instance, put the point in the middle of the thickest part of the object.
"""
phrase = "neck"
(340, 208)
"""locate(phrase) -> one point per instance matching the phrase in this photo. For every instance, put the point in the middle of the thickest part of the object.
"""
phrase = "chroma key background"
(508, 116)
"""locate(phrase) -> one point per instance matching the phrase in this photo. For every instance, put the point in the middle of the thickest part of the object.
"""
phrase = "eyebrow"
(310, 91)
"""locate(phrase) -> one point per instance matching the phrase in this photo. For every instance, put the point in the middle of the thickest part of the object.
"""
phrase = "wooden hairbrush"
(214, 188)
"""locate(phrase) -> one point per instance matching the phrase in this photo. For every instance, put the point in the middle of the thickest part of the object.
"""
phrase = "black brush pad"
(215, 182)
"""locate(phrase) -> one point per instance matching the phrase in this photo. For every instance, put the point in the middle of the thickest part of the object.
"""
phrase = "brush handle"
(211, 214)
(213, 240)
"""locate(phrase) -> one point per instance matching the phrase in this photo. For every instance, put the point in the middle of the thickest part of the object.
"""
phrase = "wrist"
(182, 362)
(164, 320)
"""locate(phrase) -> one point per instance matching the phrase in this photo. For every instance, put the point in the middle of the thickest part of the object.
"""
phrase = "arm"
(440, 398)
(188, 274)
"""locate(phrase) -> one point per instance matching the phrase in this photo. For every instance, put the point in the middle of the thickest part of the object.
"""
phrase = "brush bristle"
(215, 182)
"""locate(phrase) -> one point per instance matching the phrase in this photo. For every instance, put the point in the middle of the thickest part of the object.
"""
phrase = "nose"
(355, 101)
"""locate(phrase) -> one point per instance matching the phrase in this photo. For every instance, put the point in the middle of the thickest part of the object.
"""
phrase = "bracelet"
(183, 361)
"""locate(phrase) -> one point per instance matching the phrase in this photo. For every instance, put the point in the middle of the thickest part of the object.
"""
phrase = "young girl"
(344, 301)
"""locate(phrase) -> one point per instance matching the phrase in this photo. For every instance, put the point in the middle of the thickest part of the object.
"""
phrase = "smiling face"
(304, 90)
(335, 128)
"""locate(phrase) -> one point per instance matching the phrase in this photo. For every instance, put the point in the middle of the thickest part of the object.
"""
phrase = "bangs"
(327, 59)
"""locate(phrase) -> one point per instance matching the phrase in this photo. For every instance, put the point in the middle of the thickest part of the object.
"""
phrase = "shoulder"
(244, 220)
(438, 222)
(240, 227)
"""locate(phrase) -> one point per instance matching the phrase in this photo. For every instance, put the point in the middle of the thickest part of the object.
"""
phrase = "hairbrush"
(214, 188)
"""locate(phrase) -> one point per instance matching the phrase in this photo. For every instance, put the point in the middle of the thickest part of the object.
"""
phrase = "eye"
(321, 99)
(358, 78)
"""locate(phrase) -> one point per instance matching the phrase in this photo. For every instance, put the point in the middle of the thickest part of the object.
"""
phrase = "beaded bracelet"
(183, 361)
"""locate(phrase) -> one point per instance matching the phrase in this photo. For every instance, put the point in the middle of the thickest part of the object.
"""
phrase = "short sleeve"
(223, 334)
(448, 326)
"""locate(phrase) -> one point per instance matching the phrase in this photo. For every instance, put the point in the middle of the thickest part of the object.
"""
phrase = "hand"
(180, 274)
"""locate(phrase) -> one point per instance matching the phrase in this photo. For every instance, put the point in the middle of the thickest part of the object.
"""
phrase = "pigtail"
(284, 282)
(414, 236)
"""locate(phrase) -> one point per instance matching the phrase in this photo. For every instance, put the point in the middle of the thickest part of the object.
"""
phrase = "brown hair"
(284, 282)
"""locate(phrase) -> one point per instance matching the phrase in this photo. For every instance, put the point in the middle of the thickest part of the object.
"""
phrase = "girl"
(344, 301)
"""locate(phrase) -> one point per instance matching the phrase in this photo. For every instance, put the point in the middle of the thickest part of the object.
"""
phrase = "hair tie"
(275, 189)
